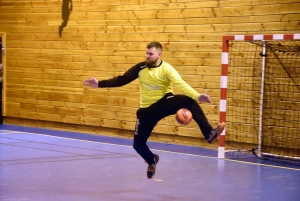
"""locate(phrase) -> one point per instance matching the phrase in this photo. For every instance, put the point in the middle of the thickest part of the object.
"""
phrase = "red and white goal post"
(260, 94)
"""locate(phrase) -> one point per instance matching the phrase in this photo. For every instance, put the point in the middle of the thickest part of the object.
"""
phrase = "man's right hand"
(92, 82)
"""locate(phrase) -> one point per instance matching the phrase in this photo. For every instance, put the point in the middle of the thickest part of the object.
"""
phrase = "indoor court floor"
(47, 165)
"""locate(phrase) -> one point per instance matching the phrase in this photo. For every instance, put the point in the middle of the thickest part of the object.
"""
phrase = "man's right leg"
(143, 128)
(145, 122)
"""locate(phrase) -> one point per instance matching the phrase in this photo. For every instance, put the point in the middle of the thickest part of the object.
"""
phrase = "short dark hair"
(155, 44)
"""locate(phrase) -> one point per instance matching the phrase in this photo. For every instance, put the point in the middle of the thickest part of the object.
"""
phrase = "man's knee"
(137, 146)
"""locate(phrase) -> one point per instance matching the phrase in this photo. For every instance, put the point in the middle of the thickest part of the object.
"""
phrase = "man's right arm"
(129, 76)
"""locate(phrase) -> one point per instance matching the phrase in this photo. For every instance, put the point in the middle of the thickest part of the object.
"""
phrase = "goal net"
(260, 95)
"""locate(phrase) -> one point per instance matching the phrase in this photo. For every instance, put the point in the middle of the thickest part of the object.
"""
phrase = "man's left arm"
(185, 88)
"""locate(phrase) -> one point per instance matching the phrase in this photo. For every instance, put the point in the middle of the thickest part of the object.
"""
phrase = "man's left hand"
(204, 98)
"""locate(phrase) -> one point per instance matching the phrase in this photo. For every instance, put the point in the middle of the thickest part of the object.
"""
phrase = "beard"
(151, 63)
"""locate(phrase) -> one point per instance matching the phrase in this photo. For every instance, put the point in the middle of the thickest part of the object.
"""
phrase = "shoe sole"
(222, 126)
(150, 177)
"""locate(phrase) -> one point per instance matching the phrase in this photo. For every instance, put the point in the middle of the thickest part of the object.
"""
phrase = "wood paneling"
(44, 72)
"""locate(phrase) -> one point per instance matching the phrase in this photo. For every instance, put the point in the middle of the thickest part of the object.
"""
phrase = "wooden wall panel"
(44, 72)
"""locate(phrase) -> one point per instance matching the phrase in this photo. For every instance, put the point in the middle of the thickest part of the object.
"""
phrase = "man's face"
(152, 56)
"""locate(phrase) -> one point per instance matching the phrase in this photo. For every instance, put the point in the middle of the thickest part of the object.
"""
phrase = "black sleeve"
(130, 75)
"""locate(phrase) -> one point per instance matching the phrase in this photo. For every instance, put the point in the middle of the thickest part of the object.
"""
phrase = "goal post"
(260, 95)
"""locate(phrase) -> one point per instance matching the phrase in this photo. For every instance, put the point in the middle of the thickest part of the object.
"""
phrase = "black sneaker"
(215, 133)
(151, 168)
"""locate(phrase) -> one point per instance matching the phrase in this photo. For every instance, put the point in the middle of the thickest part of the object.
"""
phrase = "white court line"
(7, 132)
(226, 159)
(108, 143)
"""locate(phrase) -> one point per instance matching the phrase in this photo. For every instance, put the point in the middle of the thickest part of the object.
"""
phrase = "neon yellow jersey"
(155, 82)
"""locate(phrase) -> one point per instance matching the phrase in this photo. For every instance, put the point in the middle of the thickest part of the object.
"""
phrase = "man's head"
(153, 54)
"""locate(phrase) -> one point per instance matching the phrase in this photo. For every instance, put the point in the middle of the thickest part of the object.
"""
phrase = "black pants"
(148, 117)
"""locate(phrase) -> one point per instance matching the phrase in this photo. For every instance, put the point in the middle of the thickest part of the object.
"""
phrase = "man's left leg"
(173, 103)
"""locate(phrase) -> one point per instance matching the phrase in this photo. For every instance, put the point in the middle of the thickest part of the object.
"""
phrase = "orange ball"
(184, 116)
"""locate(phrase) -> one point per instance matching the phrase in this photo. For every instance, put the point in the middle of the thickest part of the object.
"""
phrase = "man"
(157, 100)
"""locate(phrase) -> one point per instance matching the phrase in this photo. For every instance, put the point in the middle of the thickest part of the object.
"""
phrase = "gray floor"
(39, 167)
